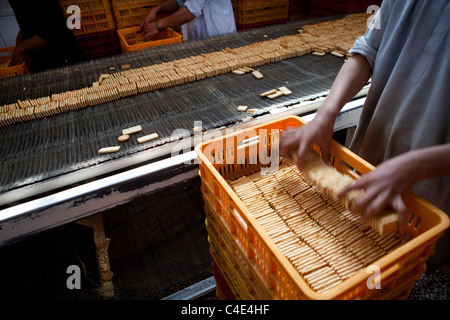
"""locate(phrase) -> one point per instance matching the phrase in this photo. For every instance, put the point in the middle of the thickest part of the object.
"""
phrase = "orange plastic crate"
(9, 72)
(249, 257)
(132, 39)
(96, 15)
(130, 13)
(85, 5)
(95, 21)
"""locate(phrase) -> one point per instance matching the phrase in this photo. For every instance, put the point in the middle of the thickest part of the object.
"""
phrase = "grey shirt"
(408, 104)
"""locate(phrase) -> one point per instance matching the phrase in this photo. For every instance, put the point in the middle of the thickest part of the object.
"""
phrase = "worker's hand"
(18, 57)
(299, 140)
(149, 30)
(151, 17)
(385, 187)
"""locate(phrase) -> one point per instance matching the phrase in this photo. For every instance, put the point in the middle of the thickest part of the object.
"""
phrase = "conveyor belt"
(43, 149)
(83, 74)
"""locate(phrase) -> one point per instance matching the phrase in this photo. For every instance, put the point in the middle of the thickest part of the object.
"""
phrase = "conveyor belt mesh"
(34, 151)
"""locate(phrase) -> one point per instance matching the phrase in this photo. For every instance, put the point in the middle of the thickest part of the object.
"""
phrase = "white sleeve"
(195, 6)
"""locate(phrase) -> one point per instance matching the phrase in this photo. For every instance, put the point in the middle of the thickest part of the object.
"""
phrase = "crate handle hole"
(248, 142)
(417, 223)
(411, 219)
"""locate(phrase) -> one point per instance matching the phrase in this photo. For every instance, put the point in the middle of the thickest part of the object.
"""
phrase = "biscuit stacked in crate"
(324, 241)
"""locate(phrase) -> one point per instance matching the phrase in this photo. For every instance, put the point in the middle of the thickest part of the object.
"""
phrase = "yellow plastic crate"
(132, 39)
(96, 15)
(254, 265)
(130, 13)
(95, 21)
(85, 5)
(5, 70)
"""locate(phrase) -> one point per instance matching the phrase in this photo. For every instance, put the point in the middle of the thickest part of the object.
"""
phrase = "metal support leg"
(101, 244)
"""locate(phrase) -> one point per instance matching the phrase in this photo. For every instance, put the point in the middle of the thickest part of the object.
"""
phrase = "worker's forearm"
(168, 6)
(25, 46)
(352, 77)
(33, 43)
(181, 16)
(432, 162)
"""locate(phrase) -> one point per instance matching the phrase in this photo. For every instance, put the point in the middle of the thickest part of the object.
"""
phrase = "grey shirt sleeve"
(368, 44)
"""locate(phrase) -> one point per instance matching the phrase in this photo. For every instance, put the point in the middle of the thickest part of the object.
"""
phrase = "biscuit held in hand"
(331, 182)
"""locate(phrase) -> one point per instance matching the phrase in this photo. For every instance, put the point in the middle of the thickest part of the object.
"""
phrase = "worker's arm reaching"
(391, 180)
(23, 47)
(352, 77)
(178, 16)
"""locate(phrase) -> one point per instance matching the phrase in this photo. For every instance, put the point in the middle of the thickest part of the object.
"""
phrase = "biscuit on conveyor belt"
(131, 81)
(124, 137)
(109, 150)
(147, 138)
(257, 74)
(132, 130)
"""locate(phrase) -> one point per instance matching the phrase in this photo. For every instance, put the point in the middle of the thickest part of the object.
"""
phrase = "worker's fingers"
(289, 142)
(375, 200)
(302, 150)
(151, 17)
(325, 150)
(147, 35)
(353, 186)
(372, 203)
(400, 207)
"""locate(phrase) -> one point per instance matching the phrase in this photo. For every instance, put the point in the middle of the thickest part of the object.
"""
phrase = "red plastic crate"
(249, 4)
(299, 9)
(223, 290)
(100, 44)
(257, 14)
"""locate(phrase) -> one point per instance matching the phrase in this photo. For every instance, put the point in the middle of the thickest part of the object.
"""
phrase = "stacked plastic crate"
(247, 249)
(299, 9)
(337, 7)
(97, 35)
(129, 13)
(258, 13)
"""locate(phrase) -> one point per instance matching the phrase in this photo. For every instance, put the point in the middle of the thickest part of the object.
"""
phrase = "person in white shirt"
(200, 19)
(404, 127)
